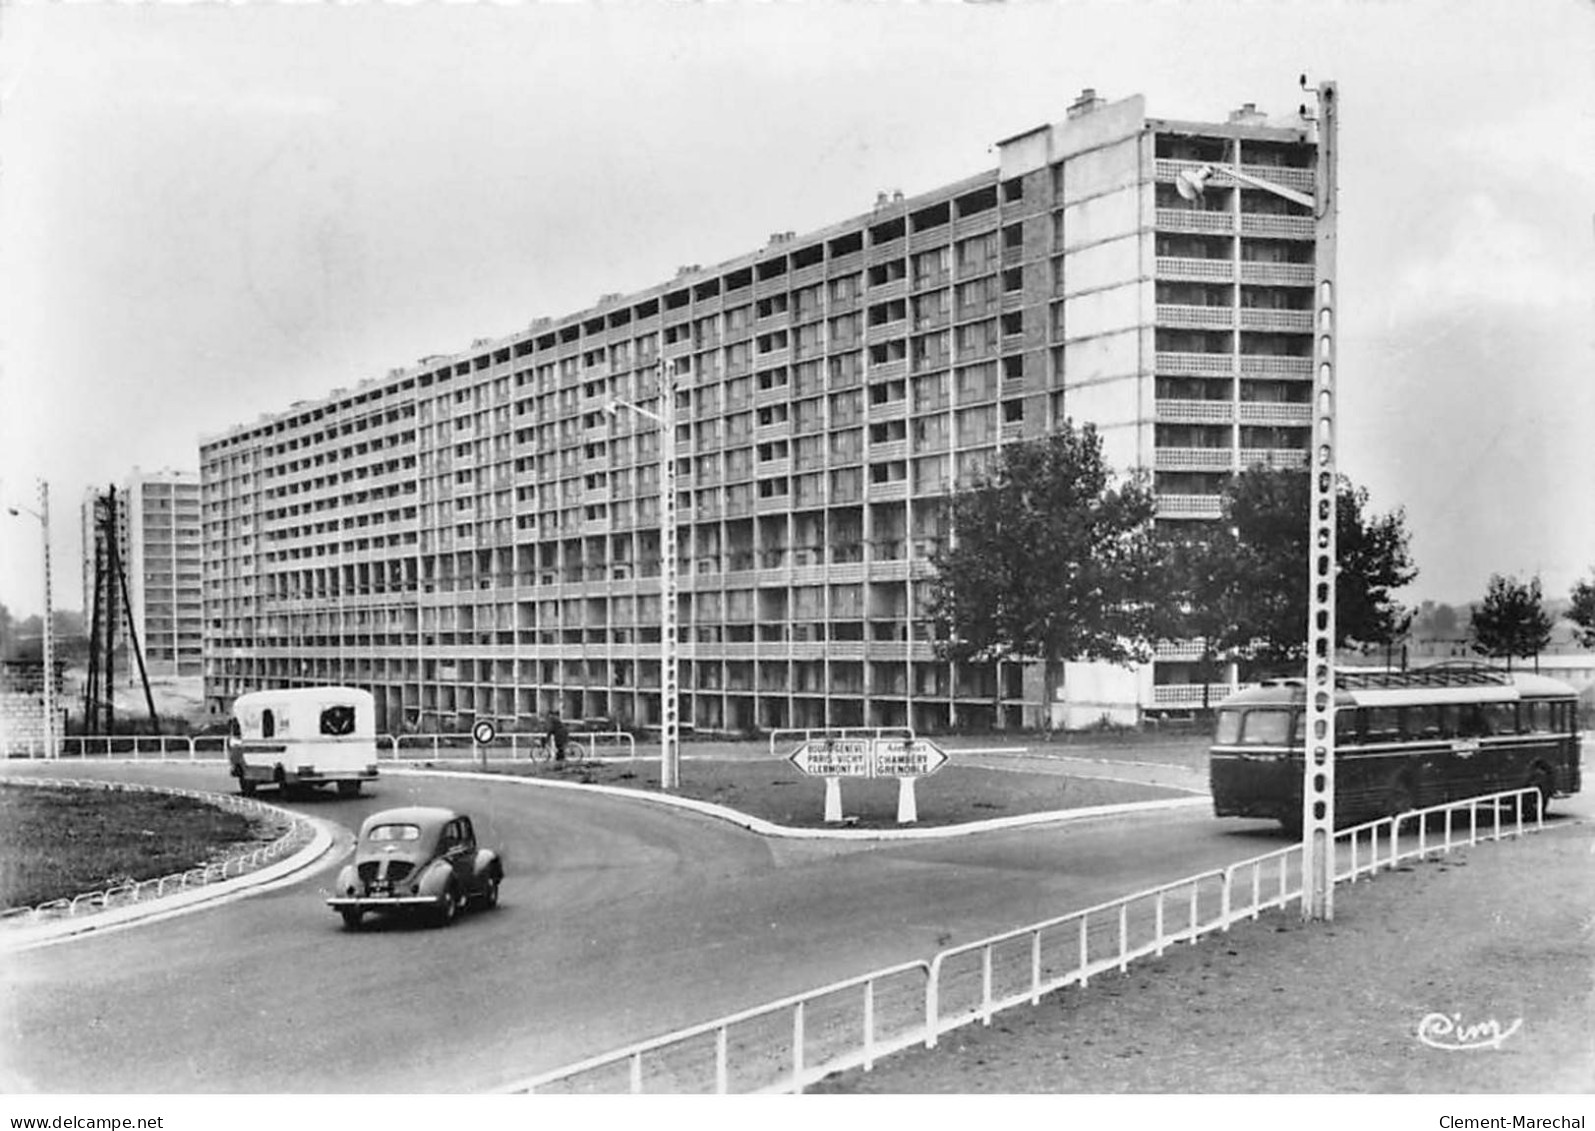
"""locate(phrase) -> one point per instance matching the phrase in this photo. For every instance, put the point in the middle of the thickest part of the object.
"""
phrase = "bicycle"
(543, 750)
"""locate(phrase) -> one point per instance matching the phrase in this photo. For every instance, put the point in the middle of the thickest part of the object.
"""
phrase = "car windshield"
(395, 832)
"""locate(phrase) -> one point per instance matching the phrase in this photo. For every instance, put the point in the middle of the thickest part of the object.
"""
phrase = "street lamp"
(1318, 766)
(43, 515)
(669, 660)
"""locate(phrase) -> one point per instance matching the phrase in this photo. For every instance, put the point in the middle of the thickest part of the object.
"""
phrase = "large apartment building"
(477, 537)
(157, 517)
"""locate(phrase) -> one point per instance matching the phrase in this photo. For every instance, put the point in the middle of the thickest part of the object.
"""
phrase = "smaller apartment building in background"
(475, 537)
(161, 545)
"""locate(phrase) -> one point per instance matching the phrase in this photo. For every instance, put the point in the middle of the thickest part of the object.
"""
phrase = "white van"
(304, 736)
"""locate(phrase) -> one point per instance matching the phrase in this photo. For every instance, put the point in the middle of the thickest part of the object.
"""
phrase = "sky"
(210, 211)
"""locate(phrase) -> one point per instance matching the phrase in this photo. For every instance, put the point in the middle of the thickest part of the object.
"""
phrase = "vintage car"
(417, 859)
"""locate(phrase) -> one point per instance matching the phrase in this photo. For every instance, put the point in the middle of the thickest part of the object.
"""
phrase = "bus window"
(1229, 728)
(1500, 718)
(1346, 725)
(1266, 727)
(268, 723)
(1535, 716)
(1423, 722)
(1384, 725)
(1471, 721)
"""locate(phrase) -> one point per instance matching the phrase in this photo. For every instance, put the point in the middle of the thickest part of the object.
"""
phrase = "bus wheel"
(246, 786)
(1538, 805)
(1401, 798)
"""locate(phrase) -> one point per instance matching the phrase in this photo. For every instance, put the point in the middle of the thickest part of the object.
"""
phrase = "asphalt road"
(620, 920)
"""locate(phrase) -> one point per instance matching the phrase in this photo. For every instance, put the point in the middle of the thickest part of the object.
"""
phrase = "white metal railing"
(120, 895)
(974, 981)
(439, 747)
(803, 734)
(443, 747)
(804, 1041)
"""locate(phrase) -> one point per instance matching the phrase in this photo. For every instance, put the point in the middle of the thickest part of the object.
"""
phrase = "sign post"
(483, 733)
(906, 759)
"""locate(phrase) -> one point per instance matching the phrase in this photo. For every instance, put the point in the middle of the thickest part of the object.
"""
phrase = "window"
(1266, 727)
(268, 723)
(337, 721)
(395, 832)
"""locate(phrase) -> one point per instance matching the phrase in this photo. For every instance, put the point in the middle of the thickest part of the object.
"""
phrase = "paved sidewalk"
(1474, 973)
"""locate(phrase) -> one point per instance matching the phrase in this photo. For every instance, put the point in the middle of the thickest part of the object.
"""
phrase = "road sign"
(484, 732)
(869, 757)
(834, 757)
(906, 757)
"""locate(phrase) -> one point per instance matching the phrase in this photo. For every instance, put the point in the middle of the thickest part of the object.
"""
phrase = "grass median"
(772, 789)
(57, 842)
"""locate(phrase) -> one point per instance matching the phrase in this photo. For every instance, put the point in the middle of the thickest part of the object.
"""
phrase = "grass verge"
(57, 842)
(775, 791)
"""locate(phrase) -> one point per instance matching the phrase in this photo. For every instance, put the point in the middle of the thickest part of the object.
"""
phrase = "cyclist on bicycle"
(558, 735)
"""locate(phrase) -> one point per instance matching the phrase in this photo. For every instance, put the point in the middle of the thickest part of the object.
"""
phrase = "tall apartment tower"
(160, 542)
(476, 537)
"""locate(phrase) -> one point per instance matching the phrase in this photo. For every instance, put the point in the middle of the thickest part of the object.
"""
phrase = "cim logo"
(1446, 1031)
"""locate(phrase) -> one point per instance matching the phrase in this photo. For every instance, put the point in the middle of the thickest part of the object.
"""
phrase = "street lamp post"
(669, 650)
(43, 515)
(1318, 765)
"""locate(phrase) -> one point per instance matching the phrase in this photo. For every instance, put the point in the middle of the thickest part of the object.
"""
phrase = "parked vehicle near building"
(304, 736)
(1403, 740)
(417, 859)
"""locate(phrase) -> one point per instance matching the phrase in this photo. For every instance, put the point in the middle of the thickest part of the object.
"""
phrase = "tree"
(1049, 560)
(1582, 612)
(1512, 621)
(1245, 581)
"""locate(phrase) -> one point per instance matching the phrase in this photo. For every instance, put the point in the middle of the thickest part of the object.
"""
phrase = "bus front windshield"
(1260, 726)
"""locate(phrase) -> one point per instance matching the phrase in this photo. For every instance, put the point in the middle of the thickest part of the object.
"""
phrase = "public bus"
(304, 736)
(1403, 740)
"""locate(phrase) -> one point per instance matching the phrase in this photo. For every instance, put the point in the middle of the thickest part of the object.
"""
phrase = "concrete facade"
(476, 537)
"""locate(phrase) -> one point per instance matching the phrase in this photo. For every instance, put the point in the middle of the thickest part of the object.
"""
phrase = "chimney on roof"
(1248, 115)
(897, 196)
(688, 269)
(1086, 103)
(881, 199)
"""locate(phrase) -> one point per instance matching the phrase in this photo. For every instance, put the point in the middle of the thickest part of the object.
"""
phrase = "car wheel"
(448, 909)
(246, 787)
(348, 789)
(489, 894)
(351, 918)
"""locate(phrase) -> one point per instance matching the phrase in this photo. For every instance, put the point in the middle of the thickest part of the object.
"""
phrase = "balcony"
(1253, 318)
(1189, 694)
(1270, 365)
(1192, 459)
(1195, 412)
(1195, 364)
(1274, 412)
(1200, 270)
(1189, 506)
(1267, 224)
(1196, 317)
(1195, 220)
(1277, 274)
(1274, 457)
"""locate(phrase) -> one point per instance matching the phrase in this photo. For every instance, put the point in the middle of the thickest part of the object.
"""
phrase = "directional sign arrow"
(907, 757)
(849, 757)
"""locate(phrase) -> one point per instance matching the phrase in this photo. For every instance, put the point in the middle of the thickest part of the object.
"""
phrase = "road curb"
(771, 829)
